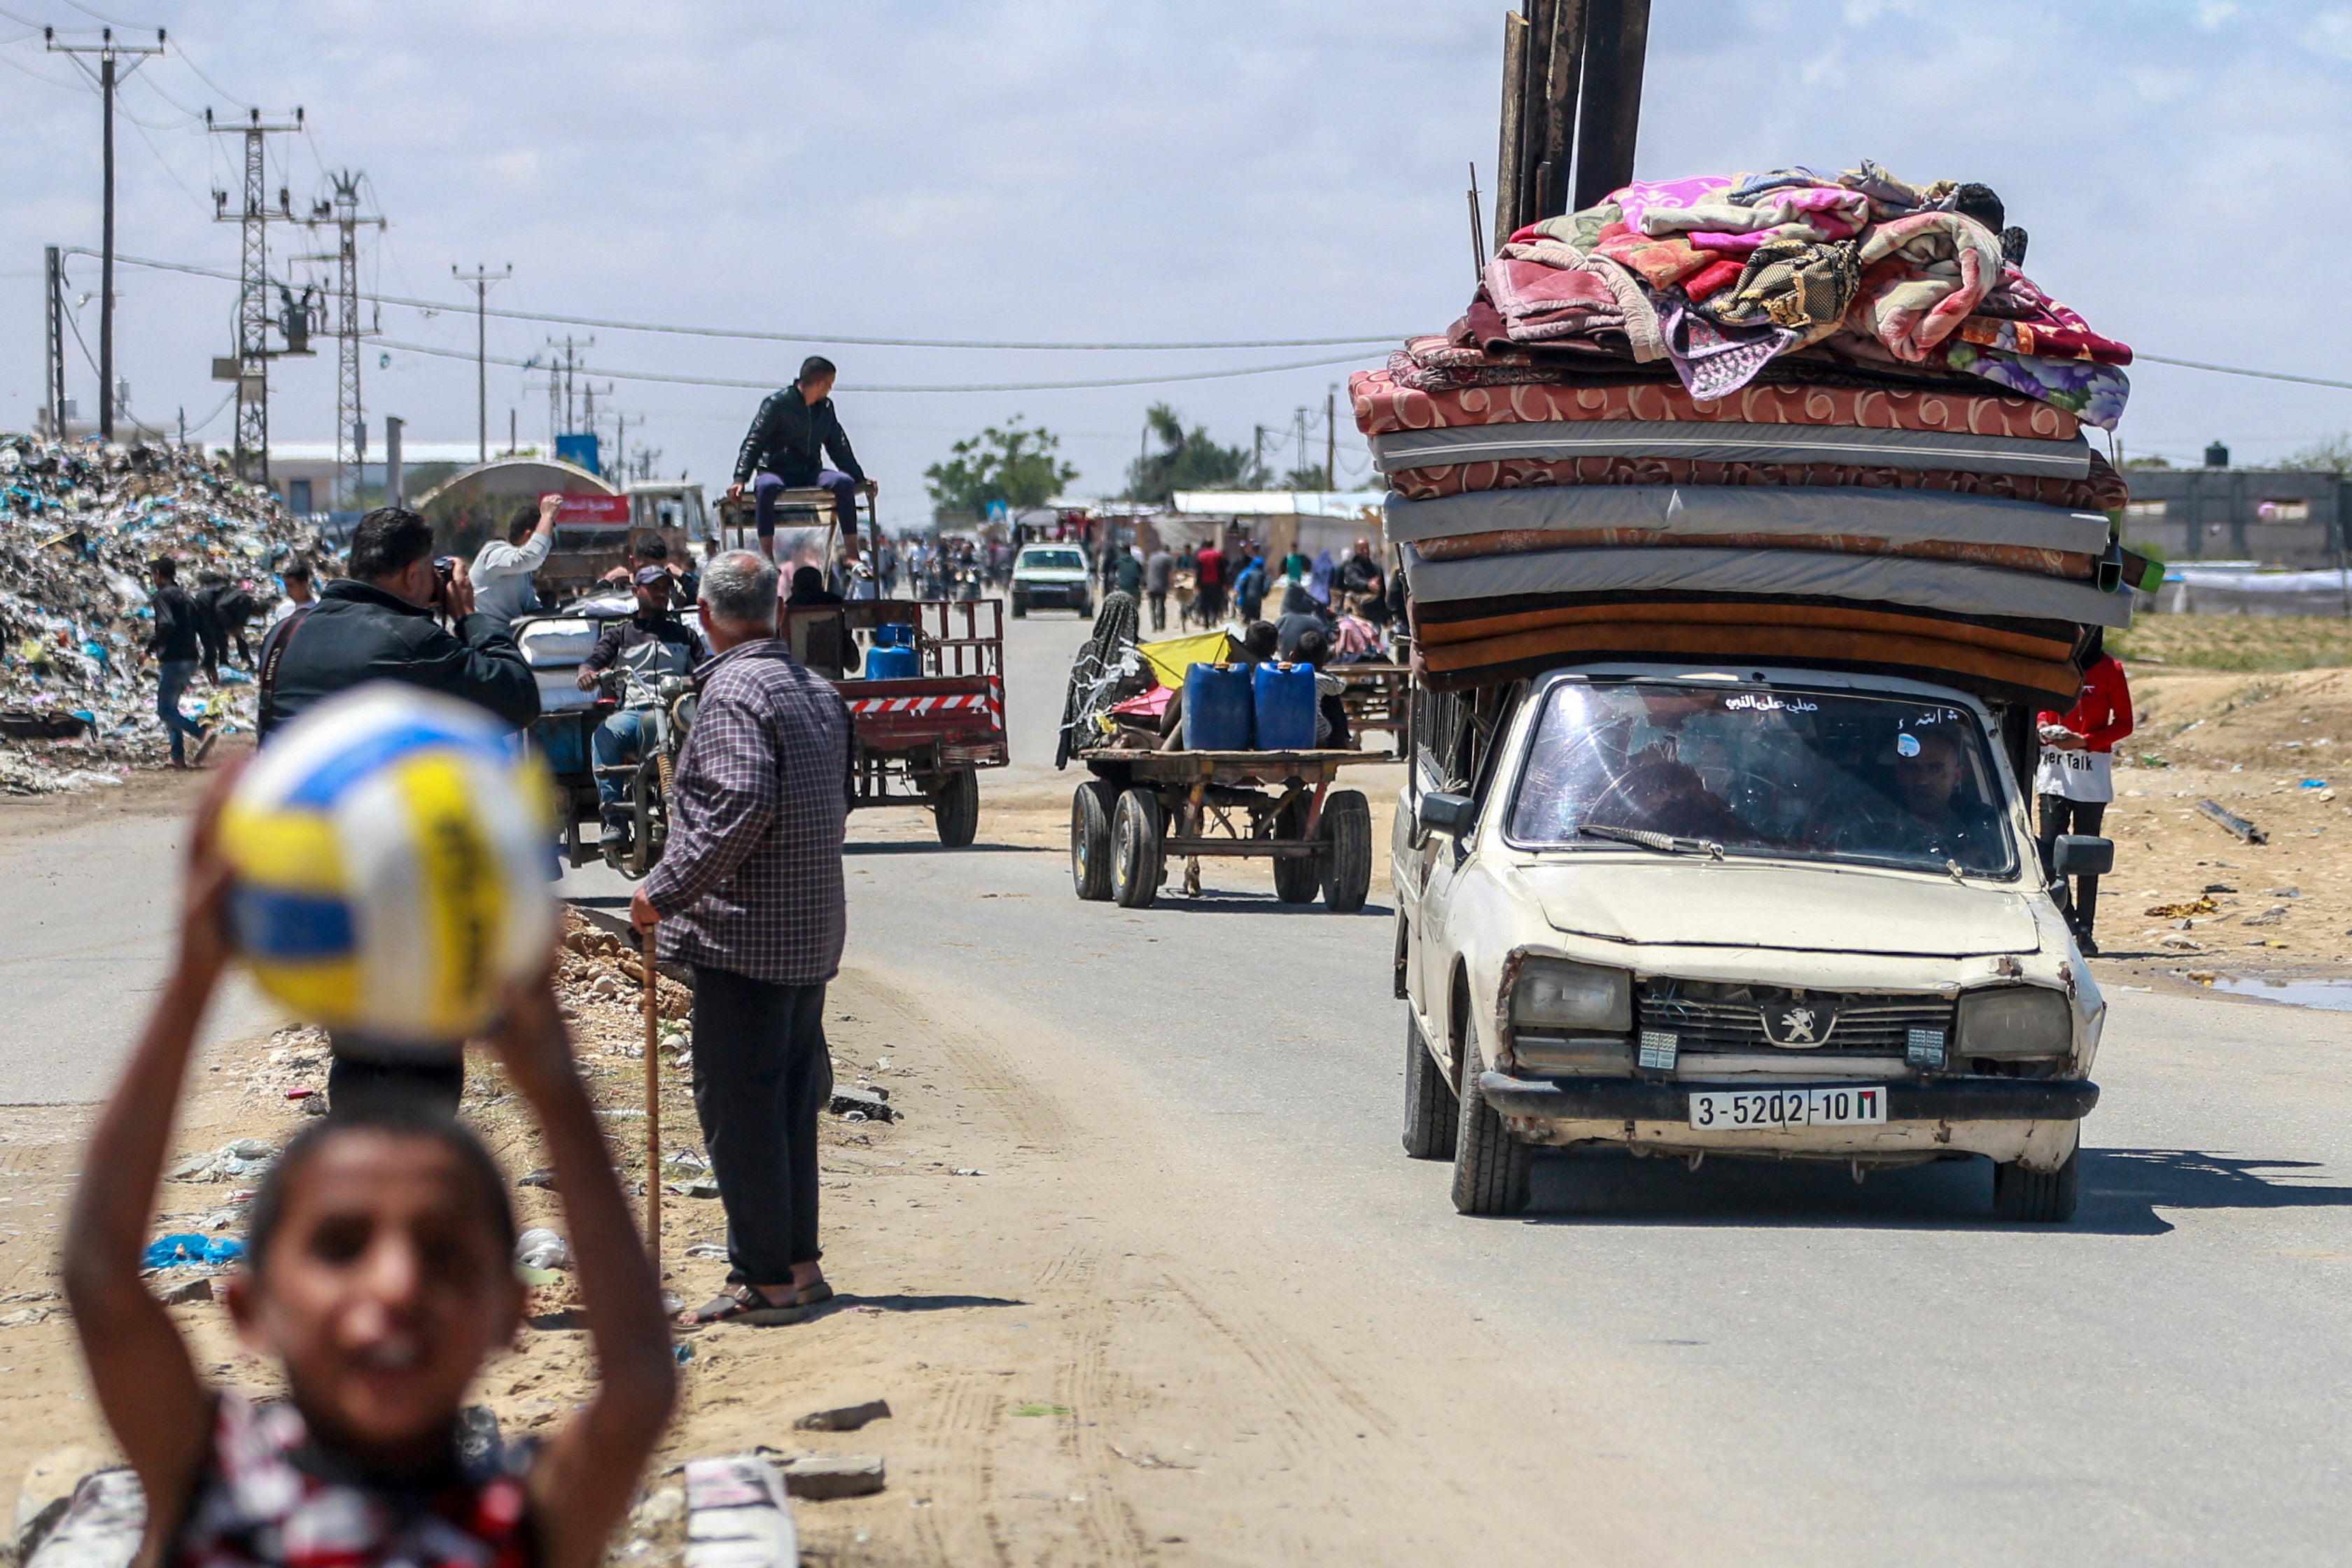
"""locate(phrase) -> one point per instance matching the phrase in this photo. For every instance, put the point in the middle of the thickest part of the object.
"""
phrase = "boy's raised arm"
(585, 1480)
(159, 1409)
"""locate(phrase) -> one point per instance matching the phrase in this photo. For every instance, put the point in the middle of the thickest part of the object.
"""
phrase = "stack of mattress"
(1575, 482)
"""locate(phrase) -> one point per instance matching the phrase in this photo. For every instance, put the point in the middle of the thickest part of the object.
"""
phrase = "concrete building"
(2271, 517)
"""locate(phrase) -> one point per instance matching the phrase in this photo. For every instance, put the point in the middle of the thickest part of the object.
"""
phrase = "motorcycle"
(668, 705)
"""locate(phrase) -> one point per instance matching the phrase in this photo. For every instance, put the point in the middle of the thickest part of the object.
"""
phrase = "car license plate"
(1739, 1110)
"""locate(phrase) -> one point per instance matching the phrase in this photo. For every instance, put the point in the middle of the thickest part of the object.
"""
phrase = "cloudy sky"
(1074, 170)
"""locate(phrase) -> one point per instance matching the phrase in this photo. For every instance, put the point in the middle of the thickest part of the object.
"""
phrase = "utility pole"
(481, 277)
(108, 74)
(343, 215)
(561, 377)
(394, 484)
(1331, 438)
(54, 383)
(252, 377)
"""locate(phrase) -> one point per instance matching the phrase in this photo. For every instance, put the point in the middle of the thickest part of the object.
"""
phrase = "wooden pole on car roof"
(1617, 37)
(1510, 162)
(1563, 78)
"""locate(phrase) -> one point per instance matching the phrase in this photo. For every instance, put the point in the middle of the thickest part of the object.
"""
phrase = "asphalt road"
(1836, 1372)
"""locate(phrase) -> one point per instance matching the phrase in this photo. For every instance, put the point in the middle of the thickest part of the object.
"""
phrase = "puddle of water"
(2295, 990)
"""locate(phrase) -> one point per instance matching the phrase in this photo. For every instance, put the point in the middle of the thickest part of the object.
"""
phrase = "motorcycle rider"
(654, 644)
(794, 432)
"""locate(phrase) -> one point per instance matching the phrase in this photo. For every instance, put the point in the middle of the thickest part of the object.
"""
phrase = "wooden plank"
(1616, 38)
(1536, 69)
(1562, 84)
(1511, 159)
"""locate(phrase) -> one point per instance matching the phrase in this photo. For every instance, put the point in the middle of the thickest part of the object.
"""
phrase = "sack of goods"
(1822, 418)
(392, 851)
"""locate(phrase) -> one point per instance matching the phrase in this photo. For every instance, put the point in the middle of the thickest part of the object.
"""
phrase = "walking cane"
(653, 1108)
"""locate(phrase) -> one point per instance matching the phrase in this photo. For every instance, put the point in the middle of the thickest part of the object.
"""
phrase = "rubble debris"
(244, 1159)
(198, 1289)
(819, 1477)
(844, 1418)
(738, 1515)
(2200, 906)
(79, 523)
(543, 1177)
(862, 1105)
(99, 1528)
(2233, 822)
(2274, 915)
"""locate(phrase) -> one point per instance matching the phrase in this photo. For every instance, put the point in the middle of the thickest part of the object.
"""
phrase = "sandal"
(745, 1304)
(810, 1295)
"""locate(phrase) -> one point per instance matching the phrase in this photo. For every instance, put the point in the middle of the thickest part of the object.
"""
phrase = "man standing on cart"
(794, 432)
(653, 644)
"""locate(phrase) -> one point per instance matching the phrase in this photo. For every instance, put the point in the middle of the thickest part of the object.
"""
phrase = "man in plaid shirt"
(749, 892)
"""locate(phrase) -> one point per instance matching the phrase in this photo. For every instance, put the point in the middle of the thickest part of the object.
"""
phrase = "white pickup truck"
(1775, 914)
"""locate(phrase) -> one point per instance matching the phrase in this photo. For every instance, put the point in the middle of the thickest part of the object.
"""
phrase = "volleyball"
(390, 853)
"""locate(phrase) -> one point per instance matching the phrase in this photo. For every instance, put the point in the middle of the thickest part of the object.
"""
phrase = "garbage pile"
(1675, 422)
(79, 523)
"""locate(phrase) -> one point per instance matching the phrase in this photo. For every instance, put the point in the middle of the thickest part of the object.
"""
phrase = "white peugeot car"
(1770, 914)
(1052, 574)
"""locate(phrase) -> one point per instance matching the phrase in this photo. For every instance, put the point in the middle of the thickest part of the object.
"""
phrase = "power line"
(748, 335)
(2234, 369)
(612, 374)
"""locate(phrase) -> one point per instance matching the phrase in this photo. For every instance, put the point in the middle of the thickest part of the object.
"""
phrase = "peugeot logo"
(1797, 1025)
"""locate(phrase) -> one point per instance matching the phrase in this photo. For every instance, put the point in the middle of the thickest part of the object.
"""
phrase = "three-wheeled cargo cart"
(1141, 808)
(920, 737)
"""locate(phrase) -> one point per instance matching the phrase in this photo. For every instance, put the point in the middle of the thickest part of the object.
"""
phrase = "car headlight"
(1554, 994)
(2009, 1022)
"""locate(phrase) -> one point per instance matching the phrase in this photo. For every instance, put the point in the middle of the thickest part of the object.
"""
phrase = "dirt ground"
(1027, 1321)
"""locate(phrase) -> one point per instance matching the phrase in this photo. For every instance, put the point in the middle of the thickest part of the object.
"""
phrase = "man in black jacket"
(795, 430)
(177, 647)
(378, 623)
(654, 644)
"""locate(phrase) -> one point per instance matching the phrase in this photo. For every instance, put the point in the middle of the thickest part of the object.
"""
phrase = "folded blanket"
(1799, 285)
(2074, 564)
(1537, 299)
(1816, 214)
(2091, 393)
(2104, 492)
(1661, 263)
(2019, 317)
(1719, 509)
(1382, 403)
(1922, 275)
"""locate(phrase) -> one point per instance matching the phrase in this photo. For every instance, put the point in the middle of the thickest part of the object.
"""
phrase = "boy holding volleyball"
(378, 1272)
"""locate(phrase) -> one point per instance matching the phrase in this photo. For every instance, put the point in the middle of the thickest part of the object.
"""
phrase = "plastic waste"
(540, 1248)
(170, 1251)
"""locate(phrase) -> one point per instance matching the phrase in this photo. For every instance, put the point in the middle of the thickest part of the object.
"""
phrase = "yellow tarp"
(1171, 656)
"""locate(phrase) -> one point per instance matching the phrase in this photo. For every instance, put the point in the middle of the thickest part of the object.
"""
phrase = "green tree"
(2332, 455)
(1015, 465)
(1187, 460)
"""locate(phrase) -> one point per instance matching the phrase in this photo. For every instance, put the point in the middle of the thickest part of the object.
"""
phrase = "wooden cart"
(1143, 808)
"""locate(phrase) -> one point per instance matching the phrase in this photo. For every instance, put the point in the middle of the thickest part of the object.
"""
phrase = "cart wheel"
(955, 809)
(1431, 1115)
(1297, 878)
(1347, 864)
(1135, 850)
(1090, 856)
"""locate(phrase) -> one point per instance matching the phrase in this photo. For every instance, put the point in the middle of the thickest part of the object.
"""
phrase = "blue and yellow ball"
(390, 854)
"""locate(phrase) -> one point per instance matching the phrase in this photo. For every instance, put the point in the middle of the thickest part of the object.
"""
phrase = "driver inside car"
(1942, 814)
(652, 645)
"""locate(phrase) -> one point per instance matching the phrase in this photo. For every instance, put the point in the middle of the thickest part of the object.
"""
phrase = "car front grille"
(1715, 1017)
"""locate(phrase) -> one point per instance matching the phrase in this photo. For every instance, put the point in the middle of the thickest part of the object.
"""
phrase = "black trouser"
(357, 1075)
(1159, 609)
(762, 1073)
(2060, 815)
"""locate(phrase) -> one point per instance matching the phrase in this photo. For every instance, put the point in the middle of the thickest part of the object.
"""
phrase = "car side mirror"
(2080, 854)
(1448, 813)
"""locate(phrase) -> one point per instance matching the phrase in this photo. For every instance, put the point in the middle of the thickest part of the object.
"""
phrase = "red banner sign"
(594, 510)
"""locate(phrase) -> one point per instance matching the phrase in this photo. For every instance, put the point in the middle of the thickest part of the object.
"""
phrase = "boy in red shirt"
(2076, 778)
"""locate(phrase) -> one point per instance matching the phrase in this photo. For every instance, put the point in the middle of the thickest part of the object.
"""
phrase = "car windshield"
(1055, 559)
(1814, 775)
